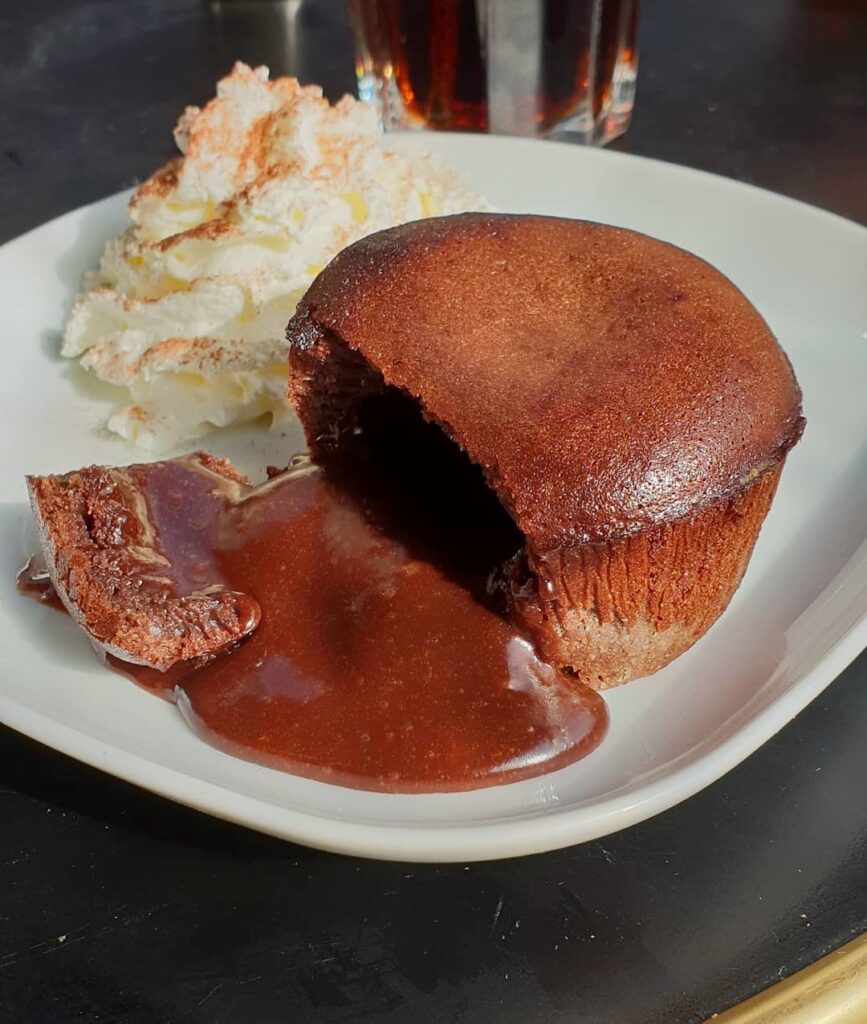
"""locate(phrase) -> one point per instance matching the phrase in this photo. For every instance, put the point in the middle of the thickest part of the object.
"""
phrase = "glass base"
(579, 128)
(613, 121)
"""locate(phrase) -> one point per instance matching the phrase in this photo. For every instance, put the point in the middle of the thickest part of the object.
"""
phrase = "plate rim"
(589, 153)
(453, 842)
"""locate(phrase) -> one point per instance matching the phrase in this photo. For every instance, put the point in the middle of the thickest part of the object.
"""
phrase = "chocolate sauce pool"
(34, 581)
(381, 660)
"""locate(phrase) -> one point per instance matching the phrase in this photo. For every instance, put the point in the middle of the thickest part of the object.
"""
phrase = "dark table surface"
(116, 905)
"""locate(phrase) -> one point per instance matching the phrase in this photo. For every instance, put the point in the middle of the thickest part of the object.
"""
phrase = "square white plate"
(798, 619)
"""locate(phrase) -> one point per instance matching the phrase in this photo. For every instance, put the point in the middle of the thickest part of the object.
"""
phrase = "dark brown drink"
(510, 66)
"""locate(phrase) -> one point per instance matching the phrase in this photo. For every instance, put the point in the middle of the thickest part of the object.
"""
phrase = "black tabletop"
(116, 905)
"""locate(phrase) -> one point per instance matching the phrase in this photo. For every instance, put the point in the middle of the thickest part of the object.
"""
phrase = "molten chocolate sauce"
(35, 582)
(380, 660)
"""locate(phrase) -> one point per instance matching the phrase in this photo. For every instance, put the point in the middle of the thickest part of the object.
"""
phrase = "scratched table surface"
(116, 905)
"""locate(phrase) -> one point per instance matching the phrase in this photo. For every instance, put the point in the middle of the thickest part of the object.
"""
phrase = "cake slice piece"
(129, 553)
(627, 405)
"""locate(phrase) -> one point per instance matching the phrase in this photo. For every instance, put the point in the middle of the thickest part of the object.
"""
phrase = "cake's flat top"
(604, 380)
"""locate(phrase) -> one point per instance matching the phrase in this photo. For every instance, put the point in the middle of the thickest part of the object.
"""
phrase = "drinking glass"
(565, 68)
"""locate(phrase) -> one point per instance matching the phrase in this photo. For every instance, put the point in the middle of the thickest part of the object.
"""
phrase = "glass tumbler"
(562, 68)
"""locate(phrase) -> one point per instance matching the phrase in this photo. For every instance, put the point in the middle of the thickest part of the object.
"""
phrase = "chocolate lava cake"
(623, 400)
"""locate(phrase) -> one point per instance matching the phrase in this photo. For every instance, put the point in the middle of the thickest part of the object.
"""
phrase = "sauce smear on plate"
(34, 581)
(381, 660)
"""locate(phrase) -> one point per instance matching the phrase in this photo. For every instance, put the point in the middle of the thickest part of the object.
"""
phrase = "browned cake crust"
(620, 610)
(628, 405)
(107, 570)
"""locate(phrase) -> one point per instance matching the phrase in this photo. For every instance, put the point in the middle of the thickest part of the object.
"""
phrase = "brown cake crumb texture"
(108, 570)
(627, 404)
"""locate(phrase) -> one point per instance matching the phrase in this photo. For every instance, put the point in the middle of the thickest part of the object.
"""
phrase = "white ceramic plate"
(798, 619)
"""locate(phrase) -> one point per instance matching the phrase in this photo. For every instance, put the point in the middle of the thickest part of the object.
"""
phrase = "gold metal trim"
(831, 991)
